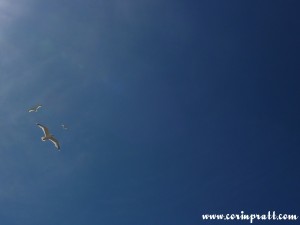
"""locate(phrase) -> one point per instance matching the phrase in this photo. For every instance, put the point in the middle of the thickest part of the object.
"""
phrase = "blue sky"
(175, 109)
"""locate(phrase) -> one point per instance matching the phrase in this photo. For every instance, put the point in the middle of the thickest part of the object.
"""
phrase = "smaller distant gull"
(64, 126)
(35, 108)
(48, 136)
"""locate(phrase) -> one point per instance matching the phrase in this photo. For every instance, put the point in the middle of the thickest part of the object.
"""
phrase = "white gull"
(48, 136)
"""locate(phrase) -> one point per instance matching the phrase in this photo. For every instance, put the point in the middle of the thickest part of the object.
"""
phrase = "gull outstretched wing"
(45, 129)
(55, 142)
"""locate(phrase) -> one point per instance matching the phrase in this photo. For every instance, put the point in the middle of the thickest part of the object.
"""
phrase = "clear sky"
(175, 109)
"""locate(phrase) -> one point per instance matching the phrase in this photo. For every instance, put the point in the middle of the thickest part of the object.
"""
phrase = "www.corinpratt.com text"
(250, 217)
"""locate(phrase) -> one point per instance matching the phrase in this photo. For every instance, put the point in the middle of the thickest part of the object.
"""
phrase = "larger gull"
(48, 136)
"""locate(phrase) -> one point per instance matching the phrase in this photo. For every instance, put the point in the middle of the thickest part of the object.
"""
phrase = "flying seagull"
(35, 108)
(48, 136)
(64, 126)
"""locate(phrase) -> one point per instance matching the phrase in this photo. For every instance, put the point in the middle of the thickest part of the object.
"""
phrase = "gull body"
(35, 108)
(48, 136)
